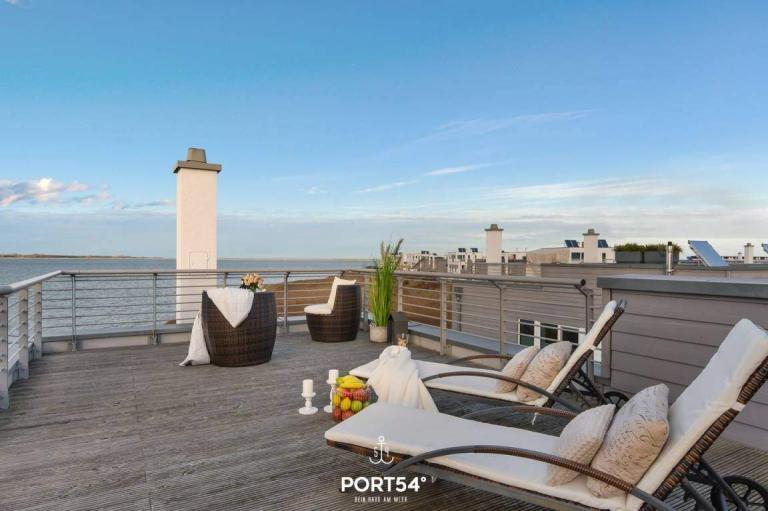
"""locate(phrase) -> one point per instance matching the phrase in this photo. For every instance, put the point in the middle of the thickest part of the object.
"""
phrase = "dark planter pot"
(629, 257)
(654, 257)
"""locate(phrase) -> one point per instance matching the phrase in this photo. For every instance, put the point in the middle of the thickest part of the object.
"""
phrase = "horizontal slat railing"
(495, 312)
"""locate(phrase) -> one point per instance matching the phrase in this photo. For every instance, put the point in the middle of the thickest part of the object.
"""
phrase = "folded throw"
(396, 380)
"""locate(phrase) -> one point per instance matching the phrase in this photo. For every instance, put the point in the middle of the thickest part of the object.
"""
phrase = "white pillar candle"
(306, 387)
(333, 374)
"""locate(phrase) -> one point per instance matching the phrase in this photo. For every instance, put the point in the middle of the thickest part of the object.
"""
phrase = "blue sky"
(342, 123)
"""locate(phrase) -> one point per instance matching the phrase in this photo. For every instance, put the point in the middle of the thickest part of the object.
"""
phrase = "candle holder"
(329, 407)
(308, 409)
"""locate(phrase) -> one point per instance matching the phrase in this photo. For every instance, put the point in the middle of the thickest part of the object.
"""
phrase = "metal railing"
(486, 312)
(21, 330)
(493, 312)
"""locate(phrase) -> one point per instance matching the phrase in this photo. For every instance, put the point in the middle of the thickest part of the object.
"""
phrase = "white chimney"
(591, 252)
(195, 223)
(749, 253)
(493, 249)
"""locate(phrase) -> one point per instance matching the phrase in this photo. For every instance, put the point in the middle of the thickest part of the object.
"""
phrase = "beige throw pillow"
(634, 440)
(543, 369)
(580, 441)
(515, 369)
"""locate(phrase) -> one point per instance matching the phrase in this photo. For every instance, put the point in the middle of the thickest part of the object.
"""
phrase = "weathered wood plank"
(129, 429)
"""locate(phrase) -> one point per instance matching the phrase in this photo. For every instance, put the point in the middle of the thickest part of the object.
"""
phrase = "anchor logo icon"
(381, 453)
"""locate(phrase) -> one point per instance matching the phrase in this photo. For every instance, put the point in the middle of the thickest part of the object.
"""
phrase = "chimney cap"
(493, 227)
(591, 232)
(196, 160)
(749, 245)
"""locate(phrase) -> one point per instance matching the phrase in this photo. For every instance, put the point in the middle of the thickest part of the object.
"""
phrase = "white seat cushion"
(336, 283)
(586, 344)
(319, 308)
(411, 431)
(714, 391)
(472, 385)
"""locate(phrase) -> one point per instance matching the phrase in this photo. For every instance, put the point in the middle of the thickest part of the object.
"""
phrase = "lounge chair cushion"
(471, 385)
(544, 368)
(410, 431)
(319, 308)
(586, 344)
(336, 283)
(580, 440)
(714, 391)
(634, 440)
(515, 369)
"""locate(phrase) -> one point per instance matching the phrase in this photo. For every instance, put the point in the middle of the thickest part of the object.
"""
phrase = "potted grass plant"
(382, 289)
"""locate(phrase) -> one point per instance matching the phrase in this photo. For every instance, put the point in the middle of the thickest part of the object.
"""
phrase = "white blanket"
(396, 380)
(234, 305)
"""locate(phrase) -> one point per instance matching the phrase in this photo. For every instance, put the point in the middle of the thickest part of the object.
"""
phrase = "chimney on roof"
(591, 252)
(195, 218)
(493, 249)
(749, 253)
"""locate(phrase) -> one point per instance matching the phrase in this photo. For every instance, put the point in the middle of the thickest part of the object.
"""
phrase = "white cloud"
(388, 186)
(452, 170)
(315, 190)
(124, 206)
(479, 127)
(598, 189)
(46, 190)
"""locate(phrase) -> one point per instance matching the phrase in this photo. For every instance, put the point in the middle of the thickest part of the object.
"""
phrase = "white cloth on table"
(234, 305)
(396, 380)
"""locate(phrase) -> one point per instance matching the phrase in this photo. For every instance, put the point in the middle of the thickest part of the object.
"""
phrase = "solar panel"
(571, 243)
(706, 253)
(602, 244)
(765, 247)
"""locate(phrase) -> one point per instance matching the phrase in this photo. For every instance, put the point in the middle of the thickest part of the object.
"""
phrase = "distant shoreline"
(60, 256)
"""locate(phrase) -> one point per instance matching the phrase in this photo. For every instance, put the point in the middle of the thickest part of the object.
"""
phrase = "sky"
(340, 124)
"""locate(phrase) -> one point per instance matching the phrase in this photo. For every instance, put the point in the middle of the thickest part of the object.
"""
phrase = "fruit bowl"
(352, 395)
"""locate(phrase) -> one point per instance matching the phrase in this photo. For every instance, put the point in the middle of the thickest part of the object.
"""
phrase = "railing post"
(501, 319)
(286, 328)
(23, 339)
(154, 339)
(399, 281)
(364, 326)
(5, 377)
(226, 277)
(73, 280)
(443, 317)
(37, 328)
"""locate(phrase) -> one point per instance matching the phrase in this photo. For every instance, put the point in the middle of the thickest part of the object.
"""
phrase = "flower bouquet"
(253, 281)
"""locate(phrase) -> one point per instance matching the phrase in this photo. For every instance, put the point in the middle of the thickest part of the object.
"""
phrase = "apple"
(346, 415)
(337, 414)
(356, 406)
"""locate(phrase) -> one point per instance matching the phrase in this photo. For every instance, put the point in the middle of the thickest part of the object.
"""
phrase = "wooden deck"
(129, 429)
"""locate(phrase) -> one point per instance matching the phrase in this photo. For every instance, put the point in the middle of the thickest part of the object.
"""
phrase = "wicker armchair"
(339, 323)
(250, 343)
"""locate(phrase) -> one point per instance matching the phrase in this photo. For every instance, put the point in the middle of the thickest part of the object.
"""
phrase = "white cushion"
(714, 391)
(336, 283)
(319, 308)
(544, 368)
(472, 385)
(411, 431)
(580, 440)
(586, 344)
(515, 368)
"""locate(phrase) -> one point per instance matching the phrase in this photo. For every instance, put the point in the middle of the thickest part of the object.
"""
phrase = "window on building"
(548, 334)
(527, 332)
(570, 334)
(575, 256)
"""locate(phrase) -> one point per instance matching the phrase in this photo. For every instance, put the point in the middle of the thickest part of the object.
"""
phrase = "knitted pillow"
(543, 369)
(515, 369)
(579, 441)
(634, 440)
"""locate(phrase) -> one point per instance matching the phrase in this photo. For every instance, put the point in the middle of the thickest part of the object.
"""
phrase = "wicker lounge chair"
(250, 343)
(513, 461)
(481, 383)
(338, 320)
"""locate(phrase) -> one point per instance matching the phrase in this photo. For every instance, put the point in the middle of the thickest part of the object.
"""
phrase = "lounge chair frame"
(575, 374)
(691, 468)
